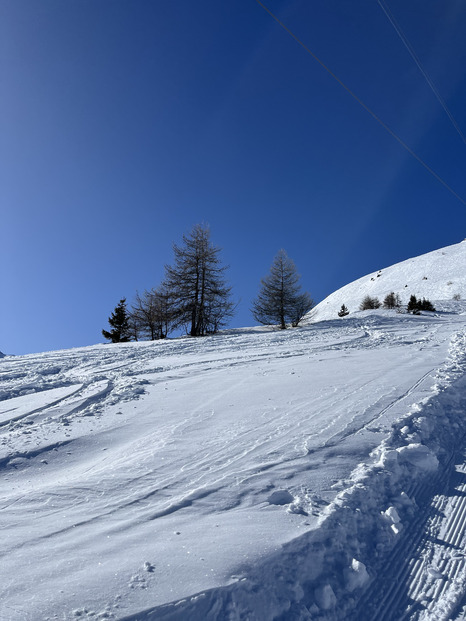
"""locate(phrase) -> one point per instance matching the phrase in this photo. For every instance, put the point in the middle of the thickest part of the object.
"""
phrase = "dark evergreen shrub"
(415, 306)
(426, 305)
(343, 311)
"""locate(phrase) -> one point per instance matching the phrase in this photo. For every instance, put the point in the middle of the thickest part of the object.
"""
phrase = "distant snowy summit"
(439, 276)
(2, 355)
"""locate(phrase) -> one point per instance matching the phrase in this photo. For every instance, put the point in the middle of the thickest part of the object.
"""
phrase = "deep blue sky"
(125, 122)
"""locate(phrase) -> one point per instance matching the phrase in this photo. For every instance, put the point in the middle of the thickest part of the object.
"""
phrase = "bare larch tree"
(150, 313)
(279, 300)
(200, 300)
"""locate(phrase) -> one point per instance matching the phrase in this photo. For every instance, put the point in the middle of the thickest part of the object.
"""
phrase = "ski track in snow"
(255, 443)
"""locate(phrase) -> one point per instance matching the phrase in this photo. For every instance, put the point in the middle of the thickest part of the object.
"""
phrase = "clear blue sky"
(125, 122)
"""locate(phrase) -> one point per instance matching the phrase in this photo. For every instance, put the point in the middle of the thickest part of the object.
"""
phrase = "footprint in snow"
(140, 580)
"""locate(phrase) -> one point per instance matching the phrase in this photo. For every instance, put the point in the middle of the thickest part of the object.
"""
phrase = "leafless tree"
(369, 303)
(151, 314)
(199, 297)
(392, 300)
(279, 300)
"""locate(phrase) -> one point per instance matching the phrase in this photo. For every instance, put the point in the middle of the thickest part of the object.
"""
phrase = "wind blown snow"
(313, 473)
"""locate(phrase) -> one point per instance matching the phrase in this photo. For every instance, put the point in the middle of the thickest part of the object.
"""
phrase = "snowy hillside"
(314, 473)
(439, 276)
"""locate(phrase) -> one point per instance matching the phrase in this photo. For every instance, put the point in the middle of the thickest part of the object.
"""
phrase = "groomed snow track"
(425, 575)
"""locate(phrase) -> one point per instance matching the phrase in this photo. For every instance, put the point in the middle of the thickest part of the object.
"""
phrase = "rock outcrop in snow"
(439, 276)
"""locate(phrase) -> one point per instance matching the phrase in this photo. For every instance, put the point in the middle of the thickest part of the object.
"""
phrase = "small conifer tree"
(413, 305)
(119, 321)
(343, 311)
(426, 305)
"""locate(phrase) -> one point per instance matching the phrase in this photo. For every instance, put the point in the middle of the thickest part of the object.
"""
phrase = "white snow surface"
(438, 276)
(312, 473)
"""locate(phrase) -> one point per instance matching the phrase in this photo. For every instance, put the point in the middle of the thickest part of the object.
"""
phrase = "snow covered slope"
(314, 473)
(438, 276)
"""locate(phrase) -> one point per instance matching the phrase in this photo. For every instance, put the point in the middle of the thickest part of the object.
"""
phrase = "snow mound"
(439, 276)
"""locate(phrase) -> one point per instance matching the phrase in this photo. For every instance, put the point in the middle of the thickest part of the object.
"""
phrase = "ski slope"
(313, 473)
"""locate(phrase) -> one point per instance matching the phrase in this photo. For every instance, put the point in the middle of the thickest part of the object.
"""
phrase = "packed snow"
(312, 473)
